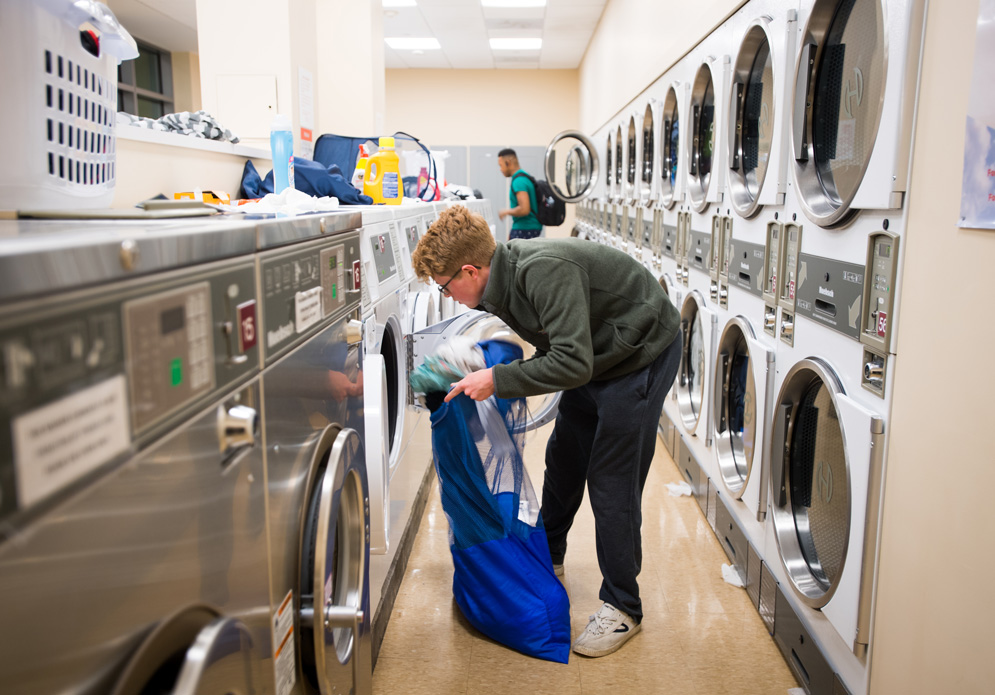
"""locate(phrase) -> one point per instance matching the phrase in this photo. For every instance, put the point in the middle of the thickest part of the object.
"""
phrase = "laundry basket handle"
(114, 38)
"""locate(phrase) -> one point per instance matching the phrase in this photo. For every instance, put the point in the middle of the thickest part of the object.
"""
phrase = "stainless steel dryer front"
(132, 500)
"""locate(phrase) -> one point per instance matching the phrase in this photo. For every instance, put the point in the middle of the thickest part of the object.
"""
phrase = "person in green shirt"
(608, 337)
(522, 198)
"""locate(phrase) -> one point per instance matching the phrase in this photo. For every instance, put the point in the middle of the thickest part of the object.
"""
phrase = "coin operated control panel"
(878, 309)
(88, 378)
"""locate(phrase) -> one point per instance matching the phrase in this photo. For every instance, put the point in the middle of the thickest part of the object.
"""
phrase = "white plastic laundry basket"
(59, 103)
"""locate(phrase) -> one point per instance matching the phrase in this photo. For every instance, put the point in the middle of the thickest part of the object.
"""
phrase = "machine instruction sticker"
(284, 660)
(307, 307)
(61, 442)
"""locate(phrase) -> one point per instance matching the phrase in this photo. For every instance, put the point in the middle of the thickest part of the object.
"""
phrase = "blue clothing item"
(310, 177)
(524, 233)
(520, 183)
(503, 579)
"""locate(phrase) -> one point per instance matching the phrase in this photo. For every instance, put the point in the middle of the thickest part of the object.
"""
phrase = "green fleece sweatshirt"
(593, 313)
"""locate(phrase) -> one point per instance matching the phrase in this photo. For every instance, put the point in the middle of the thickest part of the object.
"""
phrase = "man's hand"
(477, 385)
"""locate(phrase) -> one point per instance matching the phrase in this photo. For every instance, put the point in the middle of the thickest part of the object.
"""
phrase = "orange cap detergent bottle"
(382, 181)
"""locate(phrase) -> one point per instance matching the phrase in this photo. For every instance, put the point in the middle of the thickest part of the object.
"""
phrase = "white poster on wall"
(305, 93)
(977, 201)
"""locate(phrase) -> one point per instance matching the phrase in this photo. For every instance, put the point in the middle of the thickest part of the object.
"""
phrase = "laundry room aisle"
(700, 635)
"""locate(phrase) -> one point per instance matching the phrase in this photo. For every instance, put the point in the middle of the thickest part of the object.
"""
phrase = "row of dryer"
(763, 179)
(206, 459)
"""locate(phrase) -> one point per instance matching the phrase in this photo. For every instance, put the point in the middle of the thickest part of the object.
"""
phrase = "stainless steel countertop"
(39, 257)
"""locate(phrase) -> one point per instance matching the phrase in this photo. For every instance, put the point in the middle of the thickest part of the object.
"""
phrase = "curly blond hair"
(456, 238)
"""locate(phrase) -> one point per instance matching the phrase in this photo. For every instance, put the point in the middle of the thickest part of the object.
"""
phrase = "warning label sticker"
(308, 308)
(284, 666)
(60, 442)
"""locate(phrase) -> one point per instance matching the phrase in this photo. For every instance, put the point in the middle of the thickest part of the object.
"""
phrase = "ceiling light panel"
(519, 44)
(513, 3)
(399, 3)
(406, 43)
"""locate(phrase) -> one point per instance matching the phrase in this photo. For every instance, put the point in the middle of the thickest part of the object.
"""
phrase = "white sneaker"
(558, 569)
(607, 631)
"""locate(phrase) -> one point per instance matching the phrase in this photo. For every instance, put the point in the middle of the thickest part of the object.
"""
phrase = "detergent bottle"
(360, 173)
(382, 181)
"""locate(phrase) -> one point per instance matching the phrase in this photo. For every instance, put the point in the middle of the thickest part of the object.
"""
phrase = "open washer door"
(482, 326)
(334, 571)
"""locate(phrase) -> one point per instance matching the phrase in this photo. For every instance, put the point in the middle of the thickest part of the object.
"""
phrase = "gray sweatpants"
(605, 436)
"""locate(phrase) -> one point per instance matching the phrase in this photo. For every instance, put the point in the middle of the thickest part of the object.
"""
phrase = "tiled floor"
(700, 635)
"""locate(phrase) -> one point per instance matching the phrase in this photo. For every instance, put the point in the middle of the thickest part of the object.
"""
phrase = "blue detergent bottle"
(281, 142)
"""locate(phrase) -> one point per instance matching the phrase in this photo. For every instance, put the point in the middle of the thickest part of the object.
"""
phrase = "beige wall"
(482, 107)
(636, 42)
(186, 81)
(934, 628)
(497, 108)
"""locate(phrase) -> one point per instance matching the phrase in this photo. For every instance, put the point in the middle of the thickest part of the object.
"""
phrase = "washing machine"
(319, 524)
(384, 294)
(699, 324)
(132, 484)
(421, 304)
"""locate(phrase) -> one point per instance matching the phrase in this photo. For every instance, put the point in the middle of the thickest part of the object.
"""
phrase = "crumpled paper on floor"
(288, 202)
(681, 489)
(731, 576)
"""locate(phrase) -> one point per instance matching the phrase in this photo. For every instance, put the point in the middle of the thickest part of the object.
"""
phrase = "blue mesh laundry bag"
(503, 578)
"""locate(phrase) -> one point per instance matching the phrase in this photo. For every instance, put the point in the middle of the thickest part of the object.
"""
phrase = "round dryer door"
(649, 152)
(619, 163)
(751, 129)
(193, 652)
(736, 413)
(691, 377)
(631, 168)
(334, 570)
(810, 481)
(839, 89)
(702, 136)
(571, 166)
(670, 139)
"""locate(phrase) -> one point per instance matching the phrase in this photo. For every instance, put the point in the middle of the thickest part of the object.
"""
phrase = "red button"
(246, 325)
(357, 275)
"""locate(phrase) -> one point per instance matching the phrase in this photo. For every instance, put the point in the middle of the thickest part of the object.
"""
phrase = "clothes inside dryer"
(670, 146)
(702, 134)
(753, 126)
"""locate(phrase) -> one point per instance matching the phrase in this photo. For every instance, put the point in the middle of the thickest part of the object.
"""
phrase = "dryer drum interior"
(812, 487)
(333, 562)
(631, 174)
(648, 152)
(669, 144)
(618, 157)
(702, 133)
(753, 120)
(608, 161)
(737, 418)
(842, 92)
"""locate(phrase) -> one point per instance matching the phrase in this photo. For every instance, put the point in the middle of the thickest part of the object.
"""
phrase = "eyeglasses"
(444, 291)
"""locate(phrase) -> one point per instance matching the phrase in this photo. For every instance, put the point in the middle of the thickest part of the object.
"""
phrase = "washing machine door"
(481, 326)
(195, 651)
(692, 378)
(334, 570)
(751, 126)
(839, 99)
(670, 140)
(743, 374)
(826, 458)
(571, 166)
(702, 142)
(377, 430)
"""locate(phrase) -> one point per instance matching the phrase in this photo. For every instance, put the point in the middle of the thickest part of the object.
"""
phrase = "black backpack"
(550, 210)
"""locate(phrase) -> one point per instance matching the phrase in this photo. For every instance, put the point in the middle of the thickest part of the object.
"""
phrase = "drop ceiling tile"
(506, 13)
(515, 33)
(511, 65)
(454, 19)
(391, 59)
(407, 22)
(573, 18)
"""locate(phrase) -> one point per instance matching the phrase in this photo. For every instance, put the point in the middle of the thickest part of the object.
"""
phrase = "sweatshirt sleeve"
(559, 291)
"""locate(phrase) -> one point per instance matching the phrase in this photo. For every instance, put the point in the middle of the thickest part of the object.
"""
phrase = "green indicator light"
(176, 372)
(335, 289)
